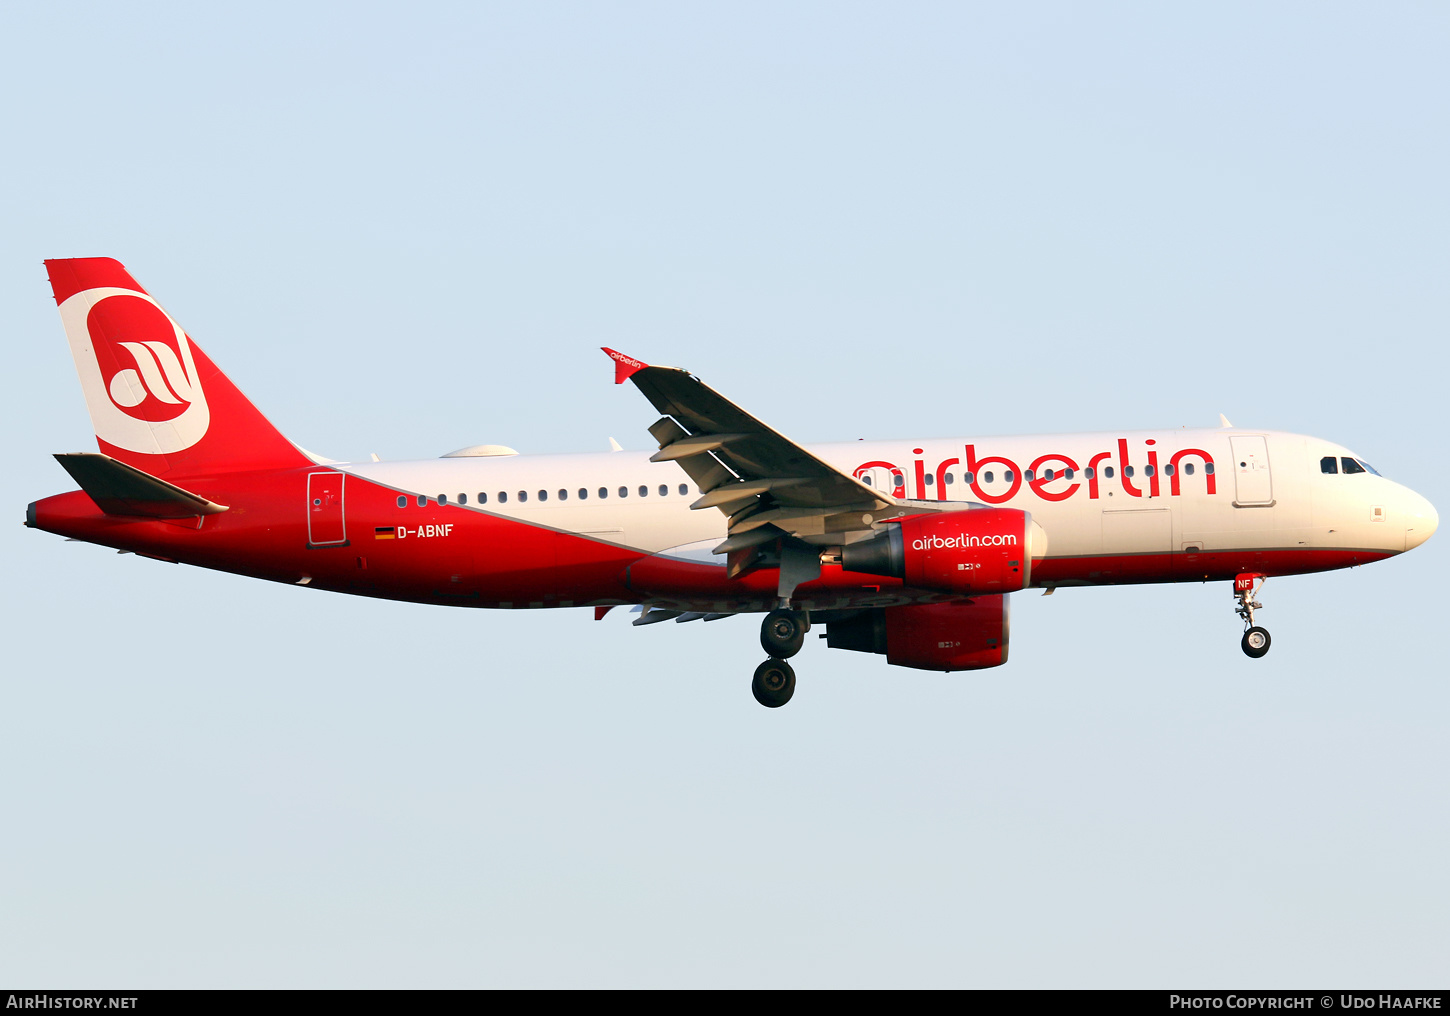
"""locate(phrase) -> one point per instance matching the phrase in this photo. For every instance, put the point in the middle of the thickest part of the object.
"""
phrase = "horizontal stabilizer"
(119, 489)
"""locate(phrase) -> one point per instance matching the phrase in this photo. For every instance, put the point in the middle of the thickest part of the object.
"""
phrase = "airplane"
(907, 549)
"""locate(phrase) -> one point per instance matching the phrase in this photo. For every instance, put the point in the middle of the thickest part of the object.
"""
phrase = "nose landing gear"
(1256, 640)
(782, 634)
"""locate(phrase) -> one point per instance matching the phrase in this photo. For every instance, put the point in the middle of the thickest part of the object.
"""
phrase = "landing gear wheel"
(1256, 639)
(1256, 642)
(782, 633)
(773, 684)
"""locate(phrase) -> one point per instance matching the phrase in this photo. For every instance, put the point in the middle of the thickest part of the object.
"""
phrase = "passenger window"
(523, 496)
(1067, 473)
(1208, 468)
(583, 493)
(482, 497)
(422, 500)
(503, 497)
(1089, 472)
(463, 499)
(1007, 476)
(987, 476)
(1188, 468)
(1108, 472)
(1029, 476)
(1329, 464)
(563, 494)
(1148, 470)
(969, 477)
(1047, 474)
(664, 490)
(442, 499)
(543, 495)
(1351, 466)
(603, 492)
(866, 480)
(929, 479)
(624, 492)
(643, 490)
(1128, 471)
(1168, 469)
(897, 480)
(402, 500)
(684, 489)
(949, 479)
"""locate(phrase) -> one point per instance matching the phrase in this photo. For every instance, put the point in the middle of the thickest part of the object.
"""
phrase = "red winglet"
(624, 366)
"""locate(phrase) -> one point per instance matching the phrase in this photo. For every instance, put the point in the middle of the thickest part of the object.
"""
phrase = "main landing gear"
(1256, 640)
(773, 683)
(782, 634)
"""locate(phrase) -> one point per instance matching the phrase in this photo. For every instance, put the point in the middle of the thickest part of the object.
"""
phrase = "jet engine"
(930, 636)
(980, 550)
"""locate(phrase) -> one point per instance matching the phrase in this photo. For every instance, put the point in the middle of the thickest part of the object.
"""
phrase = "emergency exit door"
(326, 525)
(1253, 485)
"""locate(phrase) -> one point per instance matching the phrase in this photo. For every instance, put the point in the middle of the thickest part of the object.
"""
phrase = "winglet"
(624, 366)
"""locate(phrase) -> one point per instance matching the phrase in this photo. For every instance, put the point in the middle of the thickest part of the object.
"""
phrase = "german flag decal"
(385, 533)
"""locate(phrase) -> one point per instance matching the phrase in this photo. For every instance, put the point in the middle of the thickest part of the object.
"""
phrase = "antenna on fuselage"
(1223, 422)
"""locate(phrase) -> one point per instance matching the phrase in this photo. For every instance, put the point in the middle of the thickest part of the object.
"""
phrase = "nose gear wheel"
(1256, 642)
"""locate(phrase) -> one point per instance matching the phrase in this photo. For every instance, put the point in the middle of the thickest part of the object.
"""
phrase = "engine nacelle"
(981, 550)
(930, 636)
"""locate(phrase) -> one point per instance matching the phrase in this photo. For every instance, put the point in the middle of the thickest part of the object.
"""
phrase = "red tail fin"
(156, 400)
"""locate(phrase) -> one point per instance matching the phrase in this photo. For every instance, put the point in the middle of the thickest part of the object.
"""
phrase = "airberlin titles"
(1046, 474)
(962, 542)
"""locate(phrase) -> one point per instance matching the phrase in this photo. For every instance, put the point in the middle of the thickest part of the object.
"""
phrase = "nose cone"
(1420, 521)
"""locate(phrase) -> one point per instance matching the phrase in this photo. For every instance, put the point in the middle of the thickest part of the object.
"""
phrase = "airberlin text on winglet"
(625, 367)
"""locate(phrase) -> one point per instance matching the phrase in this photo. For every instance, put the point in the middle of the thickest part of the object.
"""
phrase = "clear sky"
(406, 228)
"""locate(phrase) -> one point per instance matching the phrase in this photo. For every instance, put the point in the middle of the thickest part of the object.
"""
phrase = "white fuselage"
(1141, 492)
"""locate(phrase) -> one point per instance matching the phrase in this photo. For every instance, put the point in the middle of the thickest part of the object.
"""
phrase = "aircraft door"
(1252, 482)
(326, 525)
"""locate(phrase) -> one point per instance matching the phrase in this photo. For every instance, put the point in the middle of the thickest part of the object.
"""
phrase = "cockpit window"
(1351, 466)
(1329, 464)
(1366, 465)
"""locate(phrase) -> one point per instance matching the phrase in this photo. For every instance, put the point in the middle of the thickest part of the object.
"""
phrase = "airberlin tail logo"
(158, 374)
(137, 371)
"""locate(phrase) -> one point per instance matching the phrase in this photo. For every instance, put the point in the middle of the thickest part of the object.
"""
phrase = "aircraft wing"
(768, 486)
